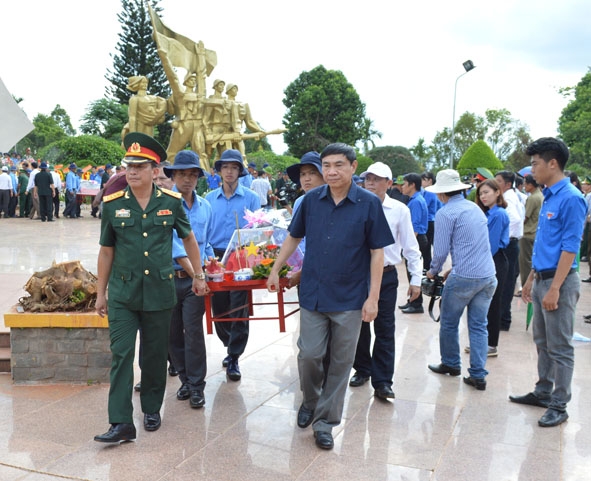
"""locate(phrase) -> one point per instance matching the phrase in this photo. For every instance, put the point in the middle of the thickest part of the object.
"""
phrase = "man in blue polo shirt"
(420, 222)
(187, 341)
(553, 285)
(228, 203)
(337, 292)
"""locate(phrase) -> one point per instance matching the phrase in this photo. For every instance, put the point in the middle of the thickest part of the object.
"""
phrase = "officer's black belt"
(181, 274)
(389, 268)
(545, 275)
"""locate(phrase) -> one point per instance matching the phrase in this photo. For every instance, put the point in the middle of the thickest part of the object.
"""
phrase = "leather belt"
(545, 275)
(181, 274)
(513, 239)
(389, 268)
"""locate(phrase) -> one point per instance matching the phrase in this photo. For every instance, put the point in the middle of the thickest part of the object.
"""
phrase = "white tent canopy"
(14, 124)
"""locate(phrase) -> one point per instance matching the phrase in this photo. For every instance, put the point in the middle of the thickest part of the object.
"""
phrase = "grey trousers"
(553, 334)
(344, 327)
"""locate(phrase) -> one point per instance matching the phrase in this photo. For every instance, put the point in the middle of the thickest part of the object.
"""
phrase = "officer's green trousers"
(123, 328)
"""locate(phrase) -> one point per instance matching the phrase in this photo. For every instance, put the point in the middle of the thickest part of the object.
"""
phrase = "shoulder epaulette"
(115, 195)
(176, 195)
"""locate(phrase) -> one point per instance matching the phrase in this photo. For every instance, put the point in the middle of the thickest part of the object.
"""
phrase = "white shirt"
(31, 183)
(57, 182)
(5, 181)
(262, 187)
(398, 217)
(516, 212)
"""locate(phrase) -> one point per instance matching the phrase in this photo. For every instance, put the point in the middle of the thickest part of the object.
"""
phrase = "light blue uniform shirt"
(225, 212)
(199, 216)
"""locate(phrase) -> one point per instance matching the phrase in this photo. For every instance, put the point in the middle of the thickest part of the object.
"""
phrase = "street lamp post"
(468, 65)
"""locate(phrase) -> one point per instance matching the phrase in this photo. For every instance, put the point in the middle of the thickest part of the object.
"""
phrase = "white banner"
(14, 124)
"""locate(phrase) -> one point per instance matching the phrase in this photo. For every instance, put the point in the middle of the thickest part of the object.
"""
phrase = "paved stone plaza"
(437, 428)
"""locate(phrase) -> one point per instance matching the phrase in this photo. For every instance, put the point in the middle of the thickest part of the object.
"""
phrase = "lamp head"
(468, 65)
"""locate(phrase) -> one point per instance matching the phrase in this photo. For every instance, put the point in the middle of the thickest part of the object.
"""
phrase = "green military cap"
(141, 148)
(400, 180)
(484, 172)
(586, 180)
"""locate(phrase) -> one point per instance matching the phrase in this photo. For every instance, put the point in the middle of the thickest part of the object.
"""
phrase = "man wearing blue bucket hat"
(228, 203)
(187, 341)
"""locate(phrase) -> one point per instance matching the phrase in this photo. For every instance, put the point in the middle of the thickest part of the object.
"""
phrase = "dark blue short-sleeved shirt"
(339, 238)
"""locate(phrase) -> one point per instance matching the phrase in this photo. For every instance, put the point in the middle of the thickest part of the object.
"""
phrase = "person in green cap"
(135, 261)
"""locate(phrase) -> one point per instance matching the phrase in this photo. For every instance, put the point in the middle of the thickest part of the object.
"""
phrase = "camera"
(432, 287)
(287, 194)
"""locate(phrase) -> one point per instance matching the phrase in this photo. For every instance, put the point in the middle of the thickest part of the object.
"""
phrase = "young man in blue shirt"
(553, 285)
(187, 341)
(337, 292)
(228, 203)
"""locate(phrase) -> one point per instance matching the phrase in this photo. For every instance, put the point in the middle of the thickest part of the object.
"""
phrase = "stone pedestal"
(58, 347)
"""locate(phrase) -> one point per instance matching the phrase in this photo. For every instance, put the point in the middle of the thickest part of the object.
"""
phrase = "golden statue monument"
(145, 111)
(209, 125)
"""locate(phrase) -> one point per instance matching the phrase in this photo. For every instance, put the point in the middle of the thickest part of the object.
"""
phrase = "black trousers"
(425, 249)
(495, 308)
(233, 334)
(379, 364)
(45, 207)
(512, 253)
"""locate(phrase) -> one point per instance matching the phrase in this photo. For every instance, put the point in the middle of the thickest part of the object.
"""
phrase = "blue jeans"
(475, 294)
(553, 333)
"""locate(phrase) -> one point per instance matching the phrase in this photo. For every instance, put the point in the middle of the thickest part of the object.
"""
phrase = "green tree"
(369, 133)
(479, 154)
(518, 158)
(574, 124)
(422, 153)
(105, 118)
(277, 163)
(48, 128)
(137, 55)
(83, 150)
(398, 158)
(322, 107)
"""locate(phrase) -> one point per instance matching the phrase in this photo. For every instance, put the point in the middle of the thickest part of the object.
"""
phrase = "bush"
(479, 154)
(83, 150)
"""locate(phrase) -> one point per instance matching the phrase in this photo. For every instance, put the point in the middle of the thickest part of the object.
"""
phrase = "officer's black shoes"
(233, 370)
(118, 433)
(152, 422)
(197, 399)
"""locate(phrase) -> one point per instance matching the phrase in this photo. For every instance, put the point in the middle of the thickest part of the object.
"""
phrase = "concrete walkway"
(436, 429)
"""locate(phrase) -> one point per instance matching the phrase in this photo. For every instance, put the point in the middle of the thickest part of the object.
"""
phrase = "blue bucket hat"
(72, 167)
(43, 165)
(310, 158)
(183, 160)
(231, 155)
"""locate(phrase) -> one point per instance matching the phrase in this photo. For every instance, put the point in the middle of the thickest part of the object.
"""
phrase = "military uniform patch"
(123, 213)
(164, 212)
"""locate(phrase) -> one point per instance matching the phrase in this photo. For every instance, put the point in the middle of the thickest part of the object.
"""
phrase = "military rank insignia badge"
(164, 212)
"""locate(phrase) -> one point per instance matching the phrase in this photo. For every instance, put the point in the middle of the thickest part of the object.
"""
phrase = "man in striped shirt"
(461, 230)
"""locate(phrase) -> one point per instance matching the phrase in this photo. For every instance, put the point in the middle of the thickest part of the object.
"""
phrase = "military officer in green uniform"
(135, 260)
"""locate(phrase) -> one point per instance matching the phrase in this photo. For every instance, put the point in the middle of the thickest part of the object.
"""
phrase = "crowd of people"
(157, 233)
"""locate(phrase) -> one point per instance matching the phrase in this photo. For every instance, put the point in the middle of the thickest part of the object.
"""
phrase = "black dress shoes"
(358, 380)
(226, 361)
(552, 417)
(305, 416)
(233, 370)
(117, 433)
(443, 369)
(413, 310)
(172, 371)
(478, 382)
(197, 399)
(530, 399)
(183, 393)
(587, 279)
(324, 440)
(152, 422)
(406, 306)
(384, 392)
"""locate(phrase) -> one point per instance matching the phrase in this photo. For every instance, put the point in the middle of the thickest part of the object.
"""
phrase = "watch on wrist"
(200, 276)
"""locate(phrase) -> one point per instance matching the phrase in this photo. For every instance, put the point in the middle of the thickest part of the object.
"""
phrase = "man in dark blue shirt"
(346, 231)
(553, 285)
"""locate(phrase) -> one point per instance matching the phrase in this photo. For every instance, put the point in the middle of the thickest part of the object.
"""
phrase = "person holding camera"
(461, 229)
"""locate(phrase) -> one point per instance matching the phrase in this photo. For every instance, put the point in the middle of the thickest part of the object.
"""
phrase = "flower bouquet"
(269, 254)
